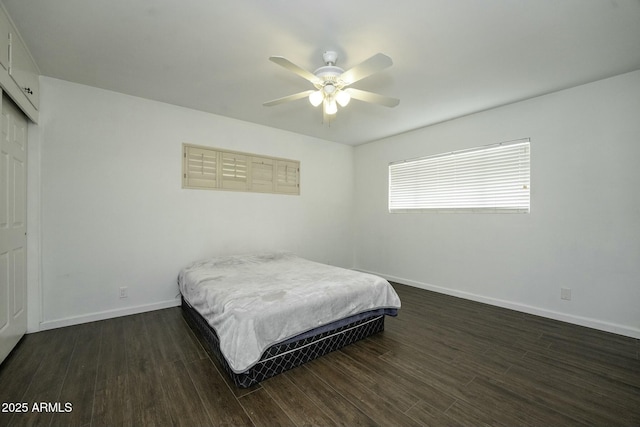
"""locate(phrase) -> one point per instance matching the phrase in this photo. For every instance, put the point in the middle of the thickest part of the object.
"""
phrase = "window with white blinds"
(216, 169)
(489, 179)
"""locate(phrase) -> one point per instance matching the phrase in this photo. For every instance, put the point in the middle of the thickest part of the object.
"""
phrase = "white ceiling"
(451, 57)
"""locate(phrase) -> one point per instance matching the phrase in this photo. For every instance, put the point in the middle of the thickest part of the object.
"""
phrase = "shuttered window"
(216, 169)
(200, 168)
(262, 175)
(288, 177)
(235, 171)
(491, 179)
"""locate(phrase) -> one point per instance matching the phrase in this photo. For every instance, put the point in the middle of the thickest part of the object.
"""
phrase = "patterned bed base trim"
(282, 357)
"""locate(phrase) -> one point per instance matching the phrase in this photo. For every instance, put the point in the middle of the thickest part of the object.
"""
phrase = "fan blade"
(284, 62)
(370, 66)
(372, 97)
(284, 99)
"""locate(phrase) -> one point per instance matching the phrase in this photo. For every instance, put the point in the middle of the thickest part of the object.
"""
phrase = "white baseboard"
(577, 320)
(103, 315)
(569, 318)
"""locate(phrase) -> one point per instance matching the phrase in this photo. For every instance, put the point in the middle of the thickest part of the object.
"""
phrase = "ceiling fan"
(331, 83)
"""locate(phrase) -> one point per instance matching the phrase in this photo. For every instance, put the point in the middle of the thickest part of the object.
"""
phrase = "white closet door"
(13, 215)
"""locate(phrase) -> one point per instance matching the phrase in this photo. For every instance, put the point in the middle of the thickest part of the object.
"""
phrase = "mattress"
(290, 353)
(253, 302)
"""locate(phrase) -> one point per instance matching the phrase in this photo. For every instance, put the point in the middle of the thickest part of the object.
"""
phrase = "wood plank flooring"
(442, 361)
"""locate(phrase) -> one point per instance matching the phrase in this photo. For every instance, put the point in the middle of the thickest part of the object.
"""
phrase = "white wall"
(107, 208)
(583, 231)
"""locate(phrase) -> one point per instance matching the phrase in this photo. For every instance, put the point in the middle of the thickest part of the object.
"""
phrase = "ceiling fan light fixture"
(343, 98)
(332, 83)
(330, 106)
(329, 89)
(316, 98)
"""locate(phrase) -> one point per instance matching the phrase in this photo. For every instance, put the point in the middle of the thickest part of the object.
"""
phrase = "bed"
(262, 314)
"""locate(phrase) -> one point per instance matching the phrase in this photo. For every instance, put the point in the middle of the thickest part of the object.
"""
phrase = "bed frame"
(289, 354)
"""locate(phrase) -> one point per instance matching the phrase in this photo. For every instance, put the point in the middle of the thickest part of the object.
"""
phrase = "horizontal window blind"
(494, 178)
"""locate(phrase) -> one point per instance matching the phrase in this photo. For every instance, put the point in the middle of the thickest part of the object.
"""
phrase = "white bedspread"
(255, 301)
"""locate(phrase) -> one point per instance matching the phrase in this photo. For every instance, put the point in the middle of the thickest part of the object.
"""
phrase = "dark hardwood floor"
(442, 361)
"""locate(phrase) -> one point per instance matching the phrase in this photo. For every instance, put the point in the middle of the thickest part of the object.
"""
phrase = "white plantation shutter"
(262, 175)
(288, 178)
(234, 171)
(494, 178)
(216, 169)
(200, 167)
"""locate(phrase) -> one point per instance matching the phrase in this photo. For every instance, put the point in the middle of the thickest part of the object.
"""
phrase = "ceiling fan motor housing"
(329, 73)
(330, 57)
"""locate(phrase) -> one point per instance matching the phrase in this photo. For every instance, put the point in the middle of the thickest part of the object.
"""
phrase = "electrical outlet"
(123, 292)
(565, 294)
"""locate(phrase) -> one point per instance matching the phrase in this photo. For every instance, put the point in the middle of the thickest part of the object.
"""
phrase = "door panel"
(13, 251)
(4, 292)
(18, 281)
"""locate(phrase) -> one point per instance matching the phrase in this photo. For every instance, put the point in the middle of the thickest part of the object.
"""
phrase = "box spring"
(284, 356)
